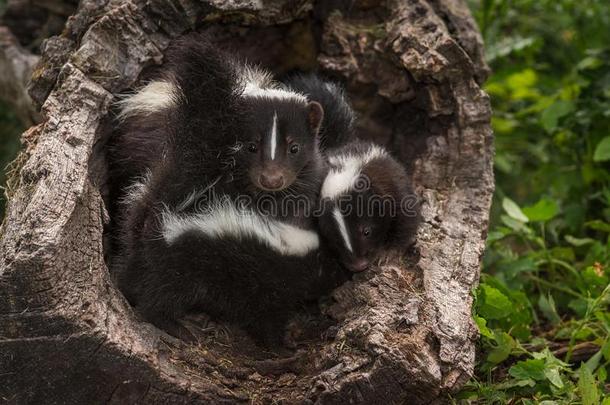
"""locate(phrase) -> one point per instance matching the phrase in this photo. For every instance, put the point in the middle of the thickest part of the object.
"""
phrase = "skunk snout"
(358, 265)
(272, 181)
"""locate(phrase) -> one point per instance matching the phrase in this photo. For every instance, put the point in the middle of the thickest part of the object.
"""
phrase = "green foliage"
(544, 293)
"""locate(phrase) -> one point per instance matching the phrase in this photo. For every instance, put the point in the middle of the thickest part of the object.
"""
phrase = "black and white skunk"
(337, 127)
(368, 204)
(220, 131)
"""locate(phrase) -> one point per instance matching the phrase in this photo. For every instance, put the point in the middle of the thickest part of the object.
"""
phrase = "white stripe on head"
(274, 136)
(347, 168)
(222, 219)
(342, 228)
(259, 83)
(339, 181)
(154, 97)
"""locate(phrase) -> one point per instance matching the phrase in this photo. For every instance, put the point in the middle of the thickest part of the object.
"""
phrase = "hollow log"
(398, 333)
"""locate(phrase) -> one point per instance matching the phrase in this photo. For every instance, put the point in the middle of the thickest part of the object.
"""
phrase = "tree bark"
(400, 333)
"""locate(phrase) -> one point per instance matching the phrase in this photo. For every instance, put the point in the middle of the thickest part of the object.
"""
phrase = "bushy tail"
(208, 104)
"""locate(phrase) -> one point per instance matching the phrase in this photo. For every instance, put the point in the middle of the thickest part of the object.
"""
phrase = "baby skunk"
(339, 118)
(368, 204)
(275, 155)
(189, 240)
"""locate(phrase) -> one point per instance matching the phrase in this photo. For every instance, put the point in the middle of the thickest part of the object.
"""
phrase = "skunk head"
(368, 205)
(279, 140)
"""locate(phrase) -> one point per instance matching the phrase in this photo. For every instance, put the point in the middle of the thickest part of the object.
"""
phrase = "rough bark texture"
(400, 333)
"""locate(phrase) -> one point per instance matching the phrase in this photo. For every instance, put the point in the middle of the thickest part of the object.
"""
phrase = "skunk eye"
(252, 147)
(366, 231)
(294, 149)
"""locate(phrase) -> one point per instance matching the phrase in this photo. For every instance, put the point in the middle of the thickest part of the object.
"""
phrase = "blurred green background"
(543, 304)
(10, 129)
(542, 307)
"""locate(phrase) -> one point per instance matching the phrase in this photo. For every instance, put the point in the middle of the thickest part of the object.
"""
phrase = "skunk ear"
(315, 116)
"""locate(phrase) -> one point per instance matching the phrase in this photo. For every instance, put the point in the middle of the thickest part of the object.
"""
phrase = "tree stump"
(401, 333)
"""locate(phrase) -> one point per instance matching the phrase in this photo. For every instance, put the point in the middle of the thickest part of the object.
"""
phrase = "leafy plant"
(543, 304)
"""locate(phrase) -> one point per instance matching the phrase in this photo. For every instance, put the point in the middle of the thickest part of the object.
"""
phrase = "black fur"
(303, 170)
(339, 118)
(238, 280)
(381, 211)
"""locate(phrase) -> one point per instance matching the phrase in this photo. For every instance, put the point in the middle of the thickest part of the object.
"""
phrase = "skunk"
(234, 264)
(274, 158)
(338, 124)
(189, 239)
(368, 204)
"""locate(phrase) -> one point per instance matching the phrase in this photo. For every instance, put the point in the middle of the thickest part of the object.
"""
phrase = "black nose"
(358, 265)
(273, 181)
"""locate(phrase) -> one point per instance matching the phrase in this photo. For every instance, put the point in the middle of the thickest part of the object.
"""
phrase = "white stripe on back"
(342, 228)
(223, 220)
(154, 97)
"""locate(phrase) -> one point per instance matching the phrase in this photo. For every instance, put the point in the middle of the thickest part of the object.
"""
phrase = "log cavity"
(385, 97)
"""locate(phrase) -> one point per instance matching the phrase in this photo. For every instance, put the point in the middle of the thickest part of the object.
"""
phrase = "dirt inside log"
(399, 333)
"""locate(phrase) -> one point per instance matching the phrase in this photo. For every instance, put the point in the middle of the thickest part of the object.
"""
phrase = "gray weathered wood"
(402, 332)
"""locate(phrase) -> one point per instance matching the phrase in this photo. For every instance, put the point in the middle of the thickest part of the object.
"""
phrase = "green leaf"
(482, 325)
(550, 117)
(579, 306)
(602, 151)
(503, 347)
(513, 224)
(552, 374)
(593, 362)
(602, 374)
(598, 225)
(513, 210)
(524, 78)
(528, 369)
(548, 309)
(492, 303)
(563, 253)
(543, 210)
(512, 383)
(512, 267)
(494, 236)
(587, 386)
(578, 241)
(590, 62)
